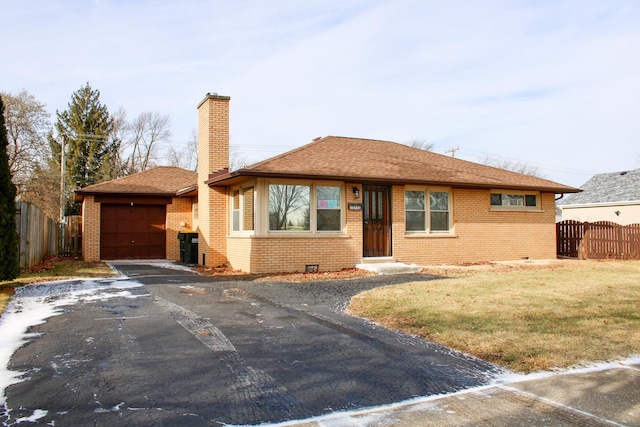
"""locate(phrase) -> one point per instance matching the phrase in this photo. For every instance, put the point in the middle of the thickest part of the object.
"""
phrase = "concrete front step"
(389, 267)
(377, 260)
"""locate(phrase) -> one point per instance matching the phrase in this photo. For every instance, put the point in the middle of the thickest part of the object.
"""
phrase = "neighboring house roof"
(159, 181)
(366, 160)
(612, 187)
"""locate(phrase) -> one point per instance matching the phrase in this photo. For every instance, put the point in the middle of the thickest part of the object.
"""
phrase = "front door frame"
(376, 221)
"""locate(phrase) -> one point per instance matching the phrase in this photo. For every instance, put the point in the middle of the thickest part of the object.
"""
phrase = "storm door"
(376, 221)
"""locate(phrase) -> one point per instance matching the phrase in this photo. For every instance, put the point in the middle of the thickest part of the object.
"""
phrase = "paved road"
(191, 350)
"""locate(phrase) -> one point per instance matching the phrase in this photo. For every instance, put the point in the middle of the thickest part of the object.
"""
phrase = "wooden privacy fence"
(37, 234)
(598, 240)
(40, 236)
(71, 236)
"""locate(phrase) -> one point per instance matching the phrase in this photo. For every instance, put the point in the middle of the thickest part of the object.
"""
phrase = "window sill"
(303, 235)
(237, 235)
(497, 209)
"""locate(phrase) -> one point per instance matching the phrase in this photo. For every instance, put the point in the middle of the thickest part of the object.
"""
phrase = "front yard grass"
(524, 318)
(53, 268)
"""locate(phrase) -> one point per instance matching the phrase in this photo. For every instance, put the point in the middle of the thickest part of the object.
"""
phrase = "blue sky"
(552, 83)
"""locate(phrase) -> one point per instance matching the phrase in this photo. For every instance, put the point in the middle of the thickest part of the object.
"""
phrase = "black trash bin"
(188, 247)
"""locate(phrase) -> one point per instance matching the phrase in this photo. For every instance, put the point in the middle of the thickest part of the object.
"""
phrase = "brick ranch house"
(332, 204)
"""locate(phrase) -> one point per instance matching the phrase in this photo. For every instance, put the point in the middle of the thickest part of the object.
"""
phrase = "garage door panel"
(140, 239)
(132, 232)
(108, 240)
(156, 239)
(108, 212)
(107, 252)
(156, 252)
(108, 225)
(157, 228)
(125, 224)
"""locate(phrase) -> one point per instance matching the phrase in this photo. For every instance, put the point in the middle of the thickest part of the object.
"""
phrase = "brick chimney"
(213, 134)
(213, 156)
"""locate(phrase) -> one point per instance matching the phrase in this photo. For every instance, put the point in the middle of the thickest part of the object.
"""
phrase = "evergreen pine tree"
(9, 259)
(84, 130)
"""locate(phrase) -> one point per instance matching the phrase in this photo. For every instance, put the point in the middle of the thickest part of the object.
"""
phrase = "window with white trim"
(328, 210)
(414, 211)
(439, 210)
(289, 207)
(235, 210)
(242, 209)
(307, 207)
(515, 201)
(422, 213)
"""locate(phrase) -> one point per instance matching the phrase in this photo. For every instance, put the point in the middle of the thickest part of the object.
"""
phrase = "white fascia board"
(597, 205)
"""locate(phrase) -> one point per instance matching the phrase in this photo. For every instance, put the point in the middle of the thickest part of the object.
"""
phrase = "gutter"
(224, 180)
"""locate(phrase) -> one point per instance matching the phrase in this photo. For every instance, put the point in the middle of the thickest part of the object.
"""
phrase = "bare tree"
(27, 124)
(119, 142)
(237, 160)
(144, 135)
(187, 157)
(513, 165)
(43, 189)
(421, 144)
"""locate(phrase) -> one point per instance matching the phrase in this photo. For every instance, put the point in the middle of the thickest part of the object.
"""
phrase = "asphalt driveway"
(188, 350)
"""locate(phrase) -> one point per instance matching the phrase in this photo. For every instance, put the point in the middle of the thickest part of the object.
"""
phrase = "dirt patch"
(7, 290)
(48, 263)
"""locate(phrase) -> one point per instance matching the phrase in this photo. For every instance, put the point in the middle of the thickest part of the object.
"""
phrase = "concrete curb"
(605, 395)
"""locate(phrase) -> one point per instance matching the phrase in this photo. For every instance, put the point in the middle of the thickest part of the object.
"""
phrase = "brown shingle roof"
(159, 181)
(369, 160)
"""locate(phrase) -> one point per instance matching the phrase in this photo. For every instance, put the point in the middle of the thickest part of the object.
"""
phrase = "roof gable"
(162, 180)
(385, 161)
(608, 188)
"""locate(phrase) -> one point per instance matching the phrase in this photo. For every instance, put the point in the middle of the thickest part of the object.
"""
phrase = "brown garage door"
(132, 232)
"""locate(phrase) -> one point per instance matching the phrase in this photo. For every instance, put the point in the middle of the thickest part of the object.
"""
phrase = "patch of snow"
(33, 304)
(172, 266)
(512, 377)
(37, 414)
(155, 263)
(102, 410)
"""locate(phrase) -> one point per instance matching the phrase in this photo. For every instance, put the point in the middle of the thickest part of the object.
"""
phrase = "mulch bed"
(347, 273)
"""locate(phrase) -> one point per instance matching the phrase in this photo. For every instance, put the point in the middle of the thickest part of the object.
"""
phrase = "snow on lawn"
(33, 304)
(155, 263)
